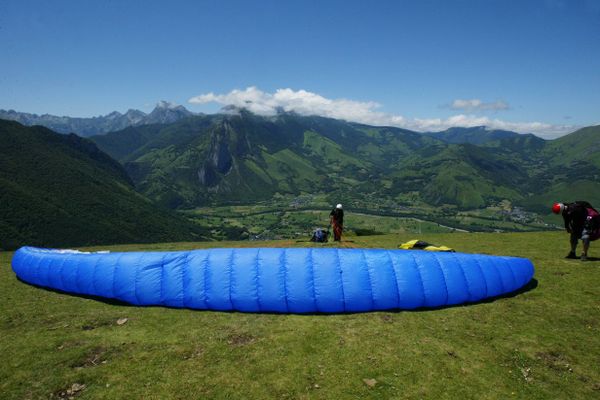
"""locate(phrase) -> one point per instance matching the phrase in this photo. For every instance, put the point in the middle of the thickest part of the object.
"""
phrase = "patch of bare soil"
(70, 392)
(555, 361)
(242, 339)
(93, 358)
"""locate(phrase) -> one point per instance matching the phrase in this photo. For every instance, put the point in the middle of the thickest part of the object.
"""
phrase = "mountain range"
(242, 157)
(62, 189)
(166, 113)
(163, 113)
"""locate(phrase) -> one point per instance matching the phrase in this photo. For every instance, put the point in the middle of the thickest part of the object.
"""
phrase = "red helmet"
(557, 208)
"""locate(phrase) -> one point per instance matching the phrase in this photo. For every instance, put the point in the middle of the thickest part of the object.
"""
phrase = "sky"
(527, 66)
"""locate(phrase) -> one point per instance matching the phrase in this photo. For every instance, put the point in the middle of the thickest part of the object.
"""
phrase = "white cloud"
(308, 103)
(478, 105)
(301, 102)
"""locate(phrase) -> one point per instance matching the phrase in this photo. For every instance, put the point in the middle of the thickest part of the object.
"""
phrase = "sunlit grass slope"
(543, 343)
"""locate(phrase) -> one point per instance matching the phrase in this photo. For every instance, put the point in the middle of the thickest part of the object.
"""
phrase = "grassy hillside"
(465, 175)
(60, 190)
(567, 169)
(539, 344)
(244, 158)
(582, 145)
(476, 135)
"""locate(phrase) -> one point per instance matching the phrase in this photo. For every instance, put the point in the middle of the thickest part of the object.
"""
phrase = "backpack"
(319, 236)
(592, 223)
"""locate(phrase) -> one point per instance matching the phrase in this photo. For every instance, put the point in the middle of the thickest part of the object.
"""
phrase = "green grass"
(540, 344)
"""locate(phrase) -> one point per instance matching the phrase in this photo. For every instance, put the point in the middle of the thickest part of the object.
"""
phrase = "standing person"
(582, 222)
(336, 218)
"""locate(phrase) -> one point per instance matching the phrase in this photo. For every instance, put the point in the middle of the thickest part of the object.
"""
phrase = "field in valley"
(297, 217)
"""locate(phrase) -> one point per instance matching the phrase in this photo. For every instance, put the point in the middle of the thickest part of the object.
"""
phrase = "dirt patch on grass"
(550, 356)
(69, 392)
(241, 339)
(387, 318)
(90, 325)
(555, 361)
(590, 323)
(452, 353)
(196, 352)
(94, 357)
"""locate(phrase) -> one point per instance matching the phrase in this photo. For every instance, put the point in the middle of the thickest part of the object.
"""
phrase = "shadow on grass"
(106, 300)
(578, 259)
(593, 259)
(532, 284)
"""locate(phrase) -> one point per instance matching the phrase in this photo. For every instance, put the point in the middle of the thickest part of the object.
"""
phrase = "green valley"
(242, 176)
(285, 217)
(236, 158)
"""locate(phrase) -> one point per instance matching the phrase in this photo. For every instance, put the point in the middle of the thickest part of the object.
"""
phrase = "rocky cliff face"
(219, 160)
(207, 176)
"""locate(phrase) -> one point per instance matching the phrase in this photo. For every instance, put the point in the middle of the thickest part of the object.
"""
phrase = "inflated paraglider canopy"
(285, 280)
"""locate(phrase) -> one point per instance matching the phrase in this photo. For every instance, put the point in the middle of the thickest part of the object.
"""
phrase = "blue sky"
(425, 65)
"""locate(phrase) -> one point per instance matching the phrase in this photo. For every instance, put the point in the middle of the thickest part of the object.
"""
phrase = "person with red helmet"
(582, 221)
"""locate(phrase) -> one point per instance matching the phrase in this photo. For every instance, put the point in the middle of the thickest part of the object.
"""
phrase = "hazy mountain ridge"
(163, 113)
(478, 135)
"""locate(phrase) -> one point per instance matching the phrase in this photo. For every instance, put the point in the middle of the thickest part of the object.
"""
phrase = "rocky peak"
(165, 105)
(166, 113)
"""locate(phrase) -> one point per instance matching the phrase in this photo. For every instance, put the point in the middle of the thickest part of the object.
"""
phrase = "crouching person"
(582, 221)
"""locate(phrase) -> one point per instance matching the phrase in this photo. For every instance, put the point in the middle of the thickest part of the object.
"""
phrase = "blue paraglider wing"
(299, 280)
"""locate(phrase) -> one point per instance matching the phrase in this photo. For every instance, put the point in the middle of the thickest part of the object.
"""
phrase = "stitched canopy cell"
(283, 280)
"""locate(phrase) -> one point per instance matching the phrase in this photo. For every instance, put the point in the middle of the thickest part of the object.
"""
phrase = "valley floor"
(297, 218)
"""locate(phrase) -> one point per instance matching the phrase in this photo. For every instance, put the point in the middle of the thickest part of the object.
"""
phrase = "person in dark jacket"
(581, 220)
(336, 218)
